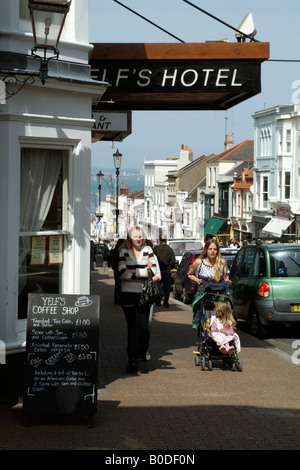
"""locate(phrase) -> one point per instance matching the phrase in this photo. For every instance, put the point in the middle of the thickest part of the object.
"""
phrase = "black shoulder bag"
(152, 292)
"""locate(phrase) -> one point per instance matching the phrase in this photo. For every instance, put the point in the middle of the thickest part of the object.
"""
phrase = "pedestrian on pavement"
(135, 257)
(209, 265)
(167, 261)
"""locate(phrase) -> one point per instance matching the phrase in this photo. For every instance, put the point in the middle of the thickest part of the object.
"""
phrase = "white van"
(179, 246)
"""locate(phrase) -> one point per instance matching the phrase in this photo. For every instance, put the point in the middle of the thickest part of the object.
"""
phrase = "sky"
(157, 135)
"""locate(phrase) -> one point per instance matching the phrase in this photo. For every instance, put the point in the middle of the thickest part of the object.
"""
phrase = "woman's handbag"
(152, 292)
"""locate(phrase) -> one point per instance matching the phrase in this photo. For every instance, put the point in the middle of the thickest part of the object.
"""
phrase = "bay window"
(43, 222)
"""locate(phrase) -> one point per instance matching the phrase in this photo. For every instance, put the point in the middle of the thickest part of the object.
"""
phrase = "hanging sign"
(177, 76)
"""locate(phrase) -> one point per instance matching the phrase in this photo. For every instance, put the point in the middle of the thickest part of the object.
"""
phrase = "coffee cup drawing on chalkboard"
(83, 301)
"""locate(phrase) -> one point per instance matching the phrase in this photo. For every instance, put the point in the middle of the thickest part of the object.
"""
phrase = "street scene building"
(45, 161)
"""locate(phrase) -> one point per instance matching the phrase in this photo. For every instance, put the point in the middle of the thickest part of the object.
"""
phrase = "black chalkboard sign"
(61, 368)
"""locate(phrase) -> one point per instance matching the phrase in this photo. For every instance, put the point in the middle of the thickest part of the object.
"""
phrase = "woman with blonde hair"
(135, 258)
(210, 265)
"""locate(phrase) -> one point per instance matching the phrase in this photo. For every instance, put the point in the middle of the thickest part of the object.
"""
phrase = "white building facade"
(45, 141)
(276, 171)
(157, 214)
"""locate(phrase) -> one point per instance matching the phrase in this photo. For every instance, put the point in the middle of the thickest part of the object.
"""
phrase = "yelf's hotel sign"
(178, 76)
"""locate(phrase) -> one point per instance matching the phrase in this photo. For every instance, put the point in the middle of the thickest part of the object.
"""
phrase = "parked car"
(181, 246)
(229, 254)
(183, 287)
(173, 273)
(266, 285)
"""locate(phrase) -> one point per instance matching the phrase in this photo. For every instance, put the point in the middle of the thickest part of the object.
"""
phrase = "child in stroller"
(214, 321)
(222, 331)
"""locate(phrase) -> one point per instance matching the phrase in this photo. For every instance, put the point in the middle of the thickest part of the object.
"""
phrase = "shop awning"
(213, 225)
(276, 226)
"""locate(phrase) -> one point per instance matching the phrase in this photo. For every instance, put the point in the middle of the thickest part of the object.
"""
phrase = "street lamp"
(202, 215)
(117, 162)
(100, 176)
(48, 19)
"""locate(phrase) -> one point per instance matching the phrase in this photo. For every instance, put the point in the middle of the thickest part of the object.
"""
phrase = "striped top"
(208, 271)
(131, 282)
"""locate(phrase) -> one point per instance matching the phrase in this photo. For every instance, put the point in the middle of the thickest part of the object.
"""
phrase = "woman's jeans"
(137, 325)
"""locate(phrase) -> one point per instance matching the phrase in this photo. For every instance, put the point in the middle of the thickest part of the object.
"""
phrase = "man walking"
(167, 261)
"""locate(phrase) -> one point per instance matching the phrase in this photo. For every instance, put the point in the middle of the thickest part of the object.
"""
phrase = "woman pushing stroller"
(210, 265)
(212, 309)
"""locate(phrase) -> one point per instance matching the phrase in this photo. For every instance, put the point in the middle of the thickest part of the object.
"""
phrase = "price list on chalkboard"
(61, 368)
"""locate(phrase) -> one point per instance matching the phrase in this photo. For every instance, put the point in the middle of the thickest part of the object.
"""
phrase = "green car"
(266, 285)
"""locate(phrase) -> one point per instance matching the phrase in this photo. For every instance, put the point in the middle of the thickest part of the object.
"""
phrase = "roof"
(136, 194)
(240, 152)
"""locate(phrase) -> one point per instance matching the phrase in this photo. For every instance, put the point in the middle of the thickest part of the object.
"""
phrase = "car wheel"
(176, 294)
(257, 329)
(186, 299)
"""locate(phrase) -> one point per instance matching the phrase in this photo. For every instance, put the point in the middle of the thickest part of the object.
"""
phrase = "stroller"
(203, 308)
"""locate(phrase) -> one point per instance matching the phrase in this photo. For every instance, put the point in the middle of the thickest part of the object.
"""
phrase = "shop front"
(45, 142)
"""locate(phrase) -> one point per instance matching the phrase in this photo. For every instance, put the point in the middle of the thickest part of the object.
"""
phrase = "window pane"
(285, 263)
(259, 264)
(287, 185)
(40, 260)
(36, 275)
(248, 262)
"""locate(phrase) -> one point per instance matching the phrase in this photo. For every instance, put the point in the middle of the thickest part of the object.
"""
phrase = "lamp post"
(47, 19)
(100, 176)
(117, 162)
(202, 203)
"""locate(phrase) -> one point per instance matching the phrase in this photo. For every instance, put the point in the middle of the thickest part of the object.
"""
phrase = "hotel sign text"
(177, 84)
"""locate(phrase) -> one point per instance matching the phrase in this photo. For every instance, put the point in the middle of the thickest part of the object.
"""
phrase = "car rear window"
(180, 247)
(229, 259)
(285, 263)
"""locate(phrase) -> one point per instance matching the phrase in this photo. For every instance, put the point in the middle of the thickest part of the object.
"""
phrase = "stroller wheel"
(209, 365)
(239, 366)
(197, 360)
(203, 363)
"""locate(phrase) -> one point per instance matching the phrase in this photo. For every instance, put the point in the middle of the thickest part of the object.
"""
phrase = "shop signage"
(202, 76)
(62, 348)
(283, 212)
(114, 125)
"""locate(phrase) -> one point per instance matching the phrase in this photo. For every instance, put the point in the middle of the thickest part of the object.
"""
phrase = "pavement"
(176, 406)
